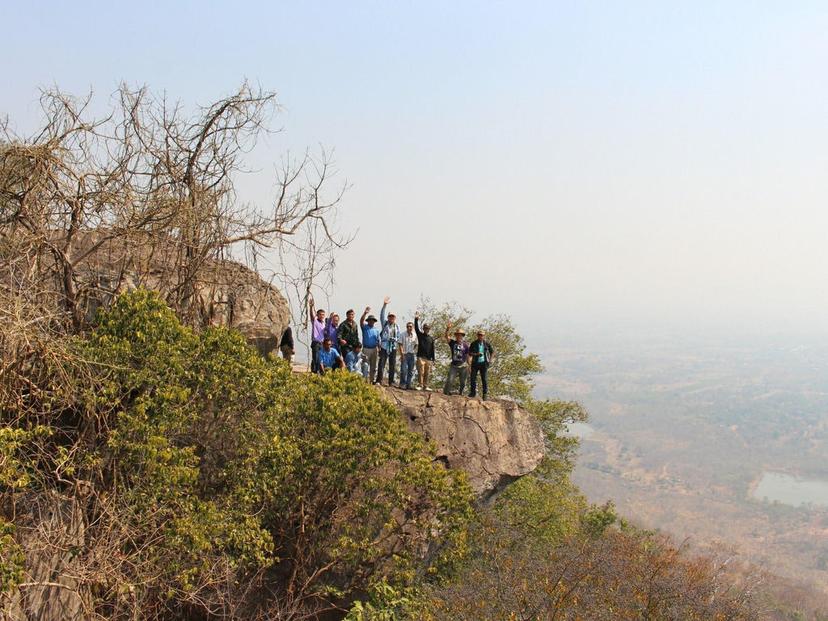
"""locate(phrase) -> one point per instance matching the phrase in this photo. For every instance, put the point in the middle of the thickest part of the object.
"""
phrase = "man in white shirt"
(408, 355)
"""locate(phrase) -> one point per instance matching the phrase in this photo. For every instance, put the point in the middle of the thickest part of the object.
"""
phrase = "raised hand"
(386, 300)
(417, 315)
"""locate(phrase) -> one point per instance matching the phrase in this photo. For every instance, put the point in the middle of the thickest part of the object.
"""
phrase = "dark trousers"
(460, 372)
(483, 369)
(315, 347)
(391, 358)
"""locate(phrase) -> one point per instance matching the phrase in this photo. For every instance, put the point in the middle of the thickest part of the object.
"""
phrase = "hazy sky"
(571, 162)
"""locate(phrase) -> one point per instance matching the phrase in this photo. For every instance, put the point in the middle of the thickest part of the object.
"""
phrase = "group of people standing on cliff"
(370, 347)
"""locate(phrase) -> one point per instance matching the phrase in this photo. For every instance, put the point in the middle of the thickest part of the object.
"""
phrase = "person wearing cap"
(370, 341)
(329, 357)
(425, 353)
(318, 325)
(408, 354)
(389, 337)
(459, 366)
(348, 333)
(481, 354)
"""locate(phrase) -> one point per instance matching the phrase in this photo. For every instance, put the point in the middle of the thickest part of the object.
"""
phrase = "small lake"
(789, 490)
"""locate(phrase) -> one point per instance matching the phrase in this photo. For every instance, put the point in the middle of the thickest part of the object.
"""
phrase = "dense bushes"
(213, 482)
(169, 474)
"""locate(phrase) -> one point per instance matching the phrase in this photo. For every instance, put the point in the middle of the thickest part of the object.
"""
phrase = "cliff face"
(495, 442)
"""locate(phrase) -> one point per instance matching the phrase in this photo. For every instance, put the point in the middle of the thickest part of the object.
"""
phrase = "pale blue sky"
(576, 163)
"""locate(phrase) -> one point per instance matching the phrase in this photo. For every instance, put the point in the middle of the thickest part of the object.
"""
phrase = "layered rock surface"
(225, 293)
(495, 442)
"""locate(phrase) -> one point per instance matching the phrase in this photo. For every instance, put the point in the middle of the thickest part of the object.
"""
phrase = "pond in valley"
(789, 490)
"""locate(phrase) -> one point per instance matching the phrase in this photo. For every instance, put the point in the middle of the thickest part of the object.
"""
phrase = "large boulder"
(225, 293)
(495, 442)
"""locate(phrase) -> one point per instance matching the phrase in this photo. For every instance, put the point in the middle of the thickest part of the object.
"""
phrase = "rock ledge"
(495, 441)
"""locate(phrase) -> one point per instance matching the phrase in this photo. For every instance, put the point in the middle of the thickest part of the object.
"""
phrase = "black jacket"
(425, 342)
(476, 348)
(348, 333)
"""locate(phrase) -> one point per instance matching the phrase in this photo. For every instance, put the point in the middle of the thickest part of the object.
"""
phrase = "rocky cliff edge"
(495, 442)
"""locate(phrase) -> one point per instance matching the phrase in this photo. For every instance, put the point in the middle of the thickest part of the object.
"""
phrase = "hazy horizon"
(634, 165)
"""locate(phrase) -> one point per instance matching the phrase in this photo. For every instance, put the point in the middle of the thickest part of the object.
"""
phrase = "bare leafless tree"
(149, 191)
(90, 205)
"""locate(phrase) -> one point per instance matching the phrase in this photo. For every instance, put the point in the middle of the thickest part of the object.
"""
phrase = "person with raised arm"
(389, 336)
(459, 366)
(318, 325)
(425, 353)
(370, 341)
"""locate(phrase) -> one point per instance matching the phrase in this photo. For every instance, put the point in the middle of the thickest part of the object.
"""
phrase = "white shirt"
(408, 342)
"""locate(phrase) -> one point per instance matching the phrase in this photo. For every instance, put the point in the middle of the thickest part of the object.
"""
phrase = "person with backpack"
(389, 336)
(459, 365)
(286, 344)
(481, 354)
(425, 353)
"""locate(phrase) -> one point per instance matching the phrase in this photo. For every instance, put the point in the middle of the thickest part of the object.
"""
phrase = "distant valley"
(723, 442)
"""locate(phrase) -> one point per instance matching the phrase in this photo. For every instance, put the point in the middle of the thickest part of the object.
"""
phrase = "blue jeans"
(315, 347)
(460, 372)
(407, 369)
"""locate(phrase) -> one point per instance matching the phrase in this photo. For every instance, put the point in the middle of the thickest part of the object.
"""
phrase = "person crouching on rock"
(357, 362)
(329, 358)
(481, 354)
(459, 366)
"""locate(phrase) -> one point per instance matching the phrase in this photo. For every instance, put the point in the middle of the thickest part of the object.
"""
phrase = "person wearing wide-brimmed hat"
(459, 366)
(370, 341)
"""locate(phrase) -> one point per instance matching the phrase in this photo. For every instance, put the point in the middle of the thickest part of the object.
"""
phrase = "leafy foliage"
(512, 367)
(12, 558)
(207, 469)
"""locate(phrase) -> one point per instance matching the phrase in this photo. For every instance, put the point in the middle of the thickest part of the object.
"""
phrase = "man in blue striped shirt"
(389, 338)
